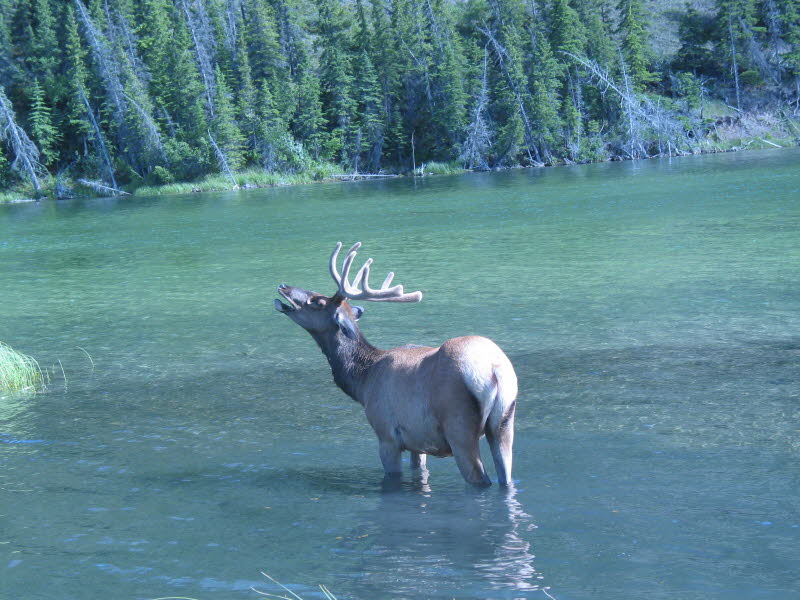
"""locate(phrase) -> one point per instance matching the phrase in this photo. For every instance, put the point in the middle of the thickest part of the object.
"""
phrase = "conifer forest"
(126, 93)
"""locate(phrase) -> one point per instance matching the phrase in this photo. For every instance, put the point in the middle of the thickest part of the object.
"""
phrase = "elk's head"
(320, 314)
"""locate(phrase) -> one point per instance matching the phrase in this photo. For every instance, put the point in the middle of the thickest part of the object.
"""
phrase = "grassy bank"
(252, 178)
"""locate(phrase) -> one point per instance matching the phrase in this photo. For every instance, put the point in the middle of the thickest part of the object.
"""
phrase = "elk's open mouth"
(280, 306)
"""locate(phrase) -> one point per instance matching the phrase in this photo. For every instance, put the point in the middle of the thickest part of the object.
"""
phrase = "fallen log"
(102, 188)
(354, 176)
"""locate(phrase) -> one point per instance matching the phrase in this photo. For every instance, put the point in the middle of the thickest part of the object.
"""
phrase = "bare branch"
(26, 154)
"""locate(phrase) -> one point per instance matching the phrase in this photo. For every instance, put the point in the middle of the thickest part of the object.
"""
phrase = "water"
(652, 311)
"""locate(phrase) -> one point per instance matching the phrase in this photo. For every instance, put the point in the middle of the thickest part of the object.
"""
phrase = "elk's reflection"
(418, 541)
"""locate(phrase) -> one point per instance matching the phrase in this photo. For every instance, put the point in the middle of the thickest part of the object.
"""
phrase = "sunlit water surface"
(652, 311)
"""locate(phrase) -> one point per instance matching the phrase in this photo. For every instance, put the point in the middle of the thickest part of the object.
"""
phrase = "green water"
(651, 309)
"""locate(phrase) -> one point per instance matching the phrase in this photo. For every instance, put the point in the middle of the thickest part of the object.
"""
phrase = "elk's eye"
(317, 302)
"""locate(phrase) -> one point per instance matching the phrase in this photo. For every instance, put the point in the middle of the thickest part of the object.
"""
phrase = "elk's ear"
(346, 324)
(357, 312)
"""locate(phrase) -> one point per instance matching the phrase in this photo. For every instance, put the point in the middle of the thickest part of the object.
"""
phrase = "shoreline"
(256, 179)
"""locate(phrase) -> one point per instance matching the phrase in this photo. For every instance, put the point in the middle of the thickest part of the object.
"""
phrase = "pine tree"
(224, 127)
(568, 37)
(44, 56)
(336, 81)
(8, 67)
(512, 110)
(76, 73)
(291, 36)
(263, 43)
(384, 60)
(566, 30)
(632, 29)
(42, 130)
(478, 142)
(185, 93)
(278, 151)
(737, 46)
(309, 121)
(157, 45)
(246, 93)
(599, 36)
(370, 119)
(695, 33)
(790, 17)
(544, 85)
(447, 79)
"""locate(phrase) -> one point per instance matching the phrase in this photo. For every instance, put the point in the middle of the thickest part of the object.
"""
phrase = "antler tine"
(332, 264)
(341, 280)
(359, 289)
(362, 275)
(348, 262)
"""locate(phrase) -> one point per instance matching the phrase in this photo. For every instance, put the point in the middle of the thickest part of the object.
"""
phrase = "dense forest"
(134, 92)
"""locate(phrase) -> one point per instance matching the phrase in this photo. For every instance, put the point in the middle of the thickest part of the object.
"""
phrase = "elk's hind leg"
(463, 441)
(462, 431)
(501, 441)
(468, 459)
(418, 460)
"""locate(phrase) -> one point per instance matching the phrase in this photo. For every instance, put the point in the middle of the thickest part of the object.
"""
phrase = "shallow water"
(652, 311)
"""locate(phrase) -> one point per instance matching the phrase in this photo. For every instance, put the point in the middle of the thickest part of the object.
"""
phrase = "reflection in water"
(463, 544)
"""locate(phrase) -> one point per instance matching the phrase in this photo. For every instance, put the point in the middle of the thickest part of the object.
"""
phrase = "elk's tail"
(493, 383)
(505, 396)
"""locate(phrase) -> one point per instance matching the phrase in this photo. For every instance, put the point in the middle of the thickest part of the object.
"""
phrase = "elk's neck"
(350, 360)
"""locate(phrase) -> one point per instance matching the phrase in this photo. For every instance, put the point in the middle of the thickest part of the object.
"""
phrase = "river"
(191, 437)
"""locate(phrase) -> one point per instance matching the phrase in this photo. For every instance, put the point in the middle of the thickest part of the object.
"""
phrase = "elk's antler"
(359, 289)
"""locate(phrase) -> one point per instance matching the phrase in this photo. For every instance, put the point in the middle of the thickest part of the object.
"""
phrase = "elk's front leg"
(390, 457)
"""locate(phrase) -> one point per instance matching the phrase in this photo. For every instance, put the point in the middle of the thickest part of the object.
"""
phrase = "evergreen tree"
(336, 81)
(157, 45)
(569, 38)
(42, 130)
(789, 11)
(568, 35)
(185, 94)
(76, 121)
(695, 33)
(544, 84)
(371, 117)
(736, 28)
(309, 120)
(384, 59)
(632, 29)
(447, 80)
(224, 128)
(44, 59)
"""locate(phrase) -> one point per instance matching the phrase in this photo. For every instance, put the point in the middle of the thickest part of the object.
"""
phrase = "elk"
(425, 400)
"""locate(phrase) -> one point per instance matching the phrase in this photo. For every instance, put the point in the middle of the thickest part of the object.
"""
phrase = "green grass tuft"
(19, 372)
(440, 168)
(251, 178)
